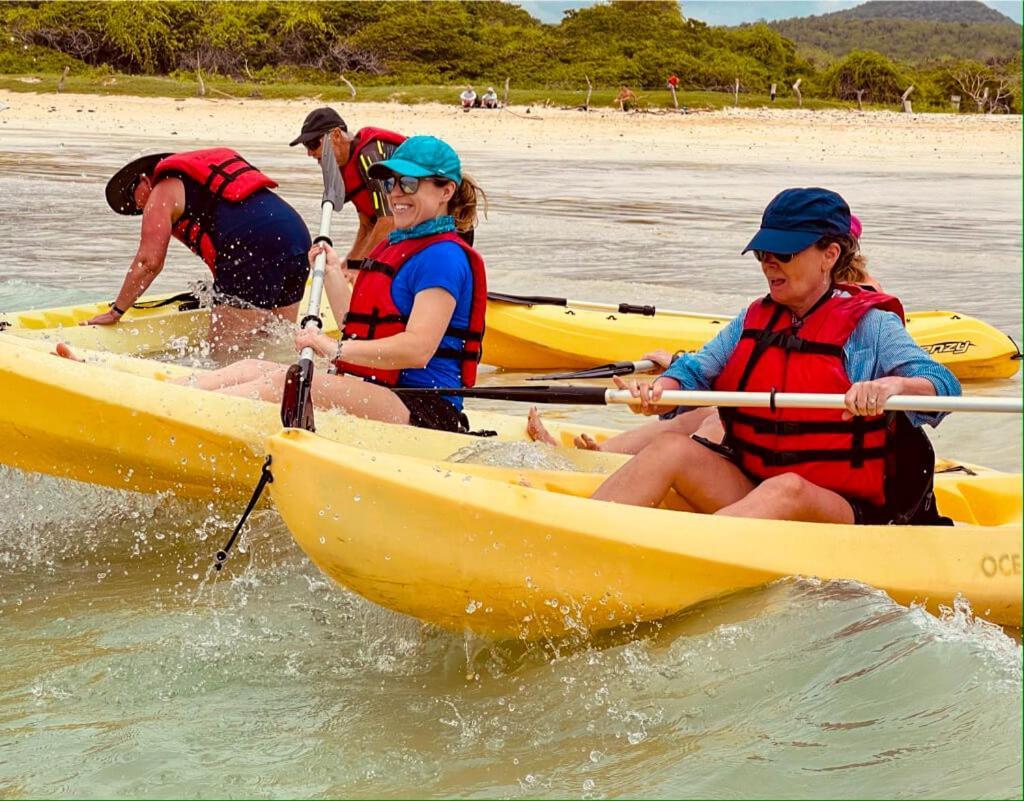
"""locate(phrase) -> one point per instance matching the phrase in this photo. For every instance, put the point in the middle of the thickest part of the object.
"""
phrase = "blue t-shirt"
(443, 265)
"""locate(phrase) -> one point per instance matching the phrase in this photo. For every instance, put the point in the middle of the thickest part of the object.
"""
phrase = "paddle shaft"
(615, 308)
(601, 371)
(597, 396)
(316, 289)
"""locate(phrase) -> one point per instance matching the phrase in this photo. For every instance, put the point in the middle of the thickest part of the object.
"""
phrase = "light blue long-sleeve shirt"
(879, 346)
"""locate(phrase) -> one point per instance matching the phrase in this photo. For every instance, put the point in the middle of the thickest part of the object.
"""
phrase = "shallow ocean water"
(128, 669)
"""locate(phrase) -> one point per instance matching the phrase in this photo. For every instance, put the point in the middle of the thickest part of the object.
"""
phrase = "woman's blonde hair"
(852, 266)
(463, 204)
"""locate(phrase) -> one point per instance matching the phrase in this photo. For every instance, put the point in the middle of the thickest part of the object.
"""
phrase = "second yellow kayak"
(522, 337)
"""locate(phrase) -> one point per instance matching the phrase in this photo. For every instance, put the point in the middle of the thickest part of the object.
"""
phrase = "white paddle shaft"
(317, 284)
(811, 400)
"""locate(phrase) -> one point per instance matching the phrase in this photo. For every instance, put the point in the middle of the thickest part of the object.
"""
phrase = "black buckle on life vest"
(374, 266)
(775, 458)
(373, 319)
(790, 341)
(786, 428)
(220, 171)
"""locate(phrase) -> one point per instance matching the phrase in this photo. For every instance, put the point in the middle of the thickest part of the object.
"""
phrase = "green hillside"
(915, 32)
(933, 11)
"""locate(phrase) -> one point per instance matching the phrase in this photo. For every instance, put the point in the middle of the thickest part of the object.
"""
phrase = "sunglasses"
(781, 258)
(313, 144)
(407, 183)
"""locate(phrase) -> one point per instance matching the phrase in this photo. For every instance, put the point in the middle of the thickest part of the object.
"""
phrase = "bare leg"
(791, 497)
(347, 393)
(232, 328)
(701, 421)
(241, 372)
(288, 313)
(703, 479)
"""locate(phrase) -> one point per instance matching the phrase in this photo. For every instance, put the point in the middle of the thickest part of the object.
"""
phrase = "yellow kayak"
(513, 553)
(117, 421)
(551, 337)
(521, 337)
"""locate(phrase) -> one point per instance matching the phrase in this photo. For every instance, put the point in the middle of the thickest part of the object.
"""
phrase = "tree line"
(375, 42)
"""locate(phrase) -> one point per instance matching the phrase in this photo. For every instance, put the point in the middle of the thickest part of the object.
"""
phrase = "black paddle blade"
(601, 371)
(297, 398)
(526, 300)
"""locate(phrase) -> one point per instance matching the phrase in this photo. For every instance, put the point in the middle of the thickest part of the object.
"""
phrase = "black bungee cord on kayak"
(297, 399)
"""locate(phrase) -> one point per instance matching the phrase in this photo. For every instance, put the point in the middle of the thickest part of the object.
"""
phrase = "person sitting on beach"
(222, 209)
(704, 421)
(415, 317)
(490, 98)
(811, 333)
(468, 98)
(355, 154)
(626, 98)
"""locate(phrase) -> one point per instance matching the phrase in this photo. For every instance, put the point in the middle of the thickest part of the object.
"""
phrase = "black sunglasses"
(408, 184)
(781, 258)
(313, 144)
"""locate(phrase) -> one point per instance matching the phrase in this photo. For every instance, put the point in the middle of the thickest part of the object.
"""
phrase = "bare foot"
(585, 442)
(535, 429)
(64, 352)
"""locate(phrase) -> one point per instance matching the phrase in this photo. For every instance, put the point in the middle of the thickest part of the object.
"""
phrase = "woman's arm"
(164, 204)
(432, 311)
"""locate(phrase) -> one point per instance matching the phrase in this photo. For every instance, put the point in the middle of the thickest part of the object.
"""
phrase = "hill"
(914, 32)
(969, 11)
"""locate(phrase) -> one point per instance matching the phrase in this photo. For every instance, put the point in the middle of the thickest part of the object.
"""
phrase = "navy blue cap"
(797, 218)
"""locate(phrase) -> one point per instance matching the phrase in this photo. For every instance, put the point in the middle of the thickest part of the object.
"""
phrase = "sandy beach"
(882, 141)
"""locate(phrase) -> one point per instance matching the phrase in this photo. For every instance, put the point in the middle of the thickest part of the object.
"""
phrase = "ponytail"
(464, 202)
(852, 266)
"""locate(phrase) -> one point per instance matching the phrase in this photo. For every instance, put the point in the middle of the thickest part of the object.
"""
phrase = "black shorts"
(433, 411)
(261, 284)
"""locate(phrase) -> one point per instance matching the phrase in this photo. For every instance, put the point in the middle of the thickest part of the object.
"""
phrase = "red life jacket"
(353, 171)
(224, 175)
(373, 314)
(846, 457)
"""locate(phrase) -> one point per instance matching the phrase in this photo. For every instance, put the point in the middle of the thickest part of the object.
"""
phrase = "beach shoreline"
(875, 140)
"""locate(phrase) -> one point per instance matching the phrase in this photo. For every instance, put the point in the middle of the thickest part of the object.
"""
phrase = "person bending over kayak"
(415, 317)
(355, 154)
(851, 268)
(223, 210)
(811, 333)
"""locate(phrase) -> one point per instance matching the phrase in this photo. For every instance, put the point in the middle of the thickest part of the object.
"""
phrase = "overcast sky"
(733, 12)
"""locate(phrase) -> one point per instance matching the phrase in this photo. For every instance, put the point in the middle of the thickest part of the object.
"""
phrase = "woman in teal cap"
(415, 316)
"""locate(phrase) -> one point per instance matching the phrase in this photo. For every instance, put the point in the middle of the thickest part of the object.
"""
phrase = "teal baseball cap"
(421, 157)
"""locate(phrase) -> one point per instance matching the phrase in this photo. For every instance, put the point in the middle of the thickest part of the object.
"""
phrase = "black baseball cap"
(317, 123)
(121, 188)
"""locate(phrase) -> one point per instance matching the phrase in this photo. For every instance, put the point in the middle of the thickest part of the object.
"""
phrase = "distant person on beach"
(355, 154)
(468, 98)
(626, 98)
(490, 98)
(221, 208)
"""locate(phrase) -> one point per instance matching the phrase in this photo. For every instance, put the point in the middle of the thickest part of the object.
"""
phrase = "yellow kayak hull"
(524, 337)
(510, 553)
(553, 337)
(117, 421)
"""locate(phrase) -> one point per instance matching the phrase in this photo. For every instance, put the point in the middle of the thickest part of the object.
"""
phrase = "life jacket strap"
(775, 458)
(785, 428)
